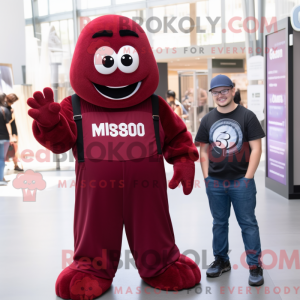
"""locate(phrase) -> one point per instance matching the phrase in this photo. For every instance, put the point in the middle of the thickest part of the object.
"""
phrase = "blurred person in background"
(177, 107)
(5, 136)
(237, 96)
(188, 99)
(202, 108)
(188, 95)
(202, 97)
(180, 110)
(171, 97)
(13, 152)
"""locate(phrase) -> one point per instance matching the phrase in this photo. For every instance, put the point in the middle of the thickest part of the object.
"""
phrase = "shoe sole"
(257, 283)
(223, 271)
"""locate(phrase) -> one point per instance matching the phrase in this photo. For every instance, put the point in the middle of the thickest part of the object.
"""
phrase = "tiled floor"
(33, 236)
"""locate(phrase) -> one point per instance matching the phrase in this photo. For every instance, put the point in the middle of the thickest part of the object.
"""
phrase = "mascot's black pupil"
(126, 60)
(107, 61)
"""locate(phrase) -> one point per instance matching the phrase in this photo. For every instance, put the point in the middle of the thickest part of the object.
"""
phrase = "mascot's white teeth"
(116, 87)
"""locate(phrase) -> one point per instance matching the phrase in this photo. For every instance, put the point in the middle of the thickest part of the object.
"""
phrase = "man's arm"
(204, 160)
(254, 159)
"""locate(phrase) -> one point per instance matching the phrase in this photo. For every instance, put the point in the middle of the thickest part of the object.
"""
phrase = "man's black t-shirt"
(3, 121)
(228, 135)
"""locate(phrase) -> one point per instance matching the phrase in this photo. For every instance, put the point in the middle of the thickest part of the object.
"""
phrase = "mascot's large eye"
(105, 60)
(128, 59)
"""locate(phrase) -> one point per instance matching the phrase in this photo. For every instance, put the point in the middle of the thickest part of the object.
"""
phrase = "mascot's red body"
(121, 181)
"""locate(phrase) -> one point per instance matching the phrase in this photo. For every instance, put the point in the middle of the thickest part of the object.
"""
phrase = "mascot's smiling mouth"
(118, 92)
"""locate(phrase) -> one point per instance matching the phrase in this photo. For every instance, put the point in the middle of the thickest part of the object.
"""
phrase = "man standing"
(230, 149)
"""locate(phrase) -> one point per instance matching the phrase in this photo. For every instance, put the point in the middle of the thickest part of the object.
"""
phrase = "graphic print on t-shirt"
(226, 136)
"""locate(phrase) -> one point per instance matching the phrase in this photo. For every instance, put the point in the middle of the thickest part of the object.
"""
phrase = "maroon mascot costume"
(119, 132)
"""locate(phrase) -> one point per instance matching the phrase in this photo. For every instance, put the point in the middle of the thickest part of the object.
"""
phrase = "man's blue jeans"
(242, 194)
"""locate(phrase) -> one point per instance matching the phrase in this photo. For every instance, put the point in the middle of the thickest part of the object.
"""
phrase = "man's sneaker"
(218, 267)
(256, 277)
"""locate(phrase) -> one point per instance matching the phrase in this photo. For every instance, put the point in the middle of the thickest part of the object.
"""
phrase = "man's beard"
(225, 104)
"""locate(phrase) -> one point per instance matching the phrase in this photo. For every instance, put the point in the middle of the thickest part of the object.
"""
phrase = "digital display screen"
(276, 69)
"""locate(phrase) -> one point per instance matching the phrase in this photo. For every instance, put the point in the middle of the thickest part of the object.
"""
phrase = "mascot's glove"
(44, 110)
(184, 172)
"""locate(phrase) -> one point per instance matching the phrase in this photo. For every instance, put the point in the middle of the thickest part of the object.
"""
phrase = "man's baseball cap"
(220, 80)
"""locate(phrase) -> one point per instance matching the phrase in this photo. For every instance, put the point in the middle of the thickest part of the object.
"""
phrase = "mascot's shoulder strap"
(78, 120)
(155, 116)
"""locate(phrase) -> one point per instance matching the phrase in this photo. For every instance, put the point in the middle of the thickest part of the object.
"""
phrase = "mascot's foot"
(76, 285)
(182, 274)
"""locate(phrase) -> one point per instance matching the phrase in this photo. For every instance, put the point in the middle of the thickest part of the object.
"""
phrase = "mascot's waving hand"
(119, 132)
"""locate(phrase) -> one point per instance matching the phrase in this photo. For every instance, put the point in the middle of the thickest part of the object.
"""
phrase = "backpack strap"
(78, 120)
(155, 116)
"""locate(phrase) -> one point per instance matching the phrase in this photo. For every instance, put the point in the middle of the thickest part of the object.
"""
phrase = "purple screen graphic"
(276, 106)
